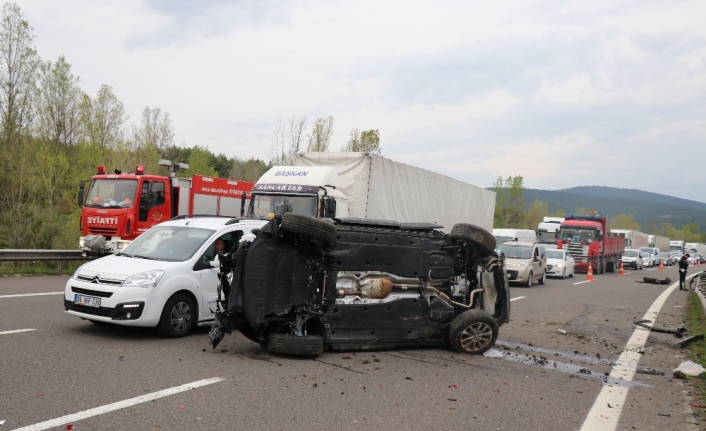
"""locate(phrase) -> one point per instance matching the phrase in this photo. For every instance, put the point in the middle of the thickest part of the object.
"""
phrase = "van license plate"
(88, 301)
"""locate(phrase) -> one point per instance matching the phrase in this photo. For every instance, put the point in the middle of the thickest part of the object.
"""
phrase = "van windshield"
(516, 251)
(630, 253)
(501, 239)
(168, 243)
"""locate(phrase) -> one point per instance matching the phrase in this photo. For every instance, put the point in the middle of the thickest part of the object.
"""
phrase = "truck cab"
(305, 190)
(586, 238)
(119, 207)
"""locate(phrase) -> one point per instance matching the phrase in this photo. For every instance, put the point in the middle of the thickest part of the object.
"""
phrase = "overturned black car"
(306, 285)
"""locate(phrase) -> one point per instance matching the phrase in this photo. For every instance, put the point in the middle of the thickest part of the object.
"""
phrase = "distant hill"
(613, 201)
(611, 192)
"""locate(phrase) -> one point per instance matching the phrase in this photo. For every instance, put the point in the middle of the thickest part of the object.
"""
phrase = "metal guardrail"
(18, 255)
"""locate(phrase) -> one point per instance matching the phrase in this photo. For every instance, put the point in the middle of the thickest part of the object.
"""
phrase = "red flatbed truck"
(587, 238)
(119, 207)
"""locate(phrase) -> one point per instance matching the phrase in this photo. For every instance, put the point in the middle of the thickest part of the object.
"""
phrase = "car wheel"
(308, 227)
(475, 235)
(295, 345)
(563, 274)
(572, 274)
(544, 278)
(473, 331)
(178, 317)
(529, 280)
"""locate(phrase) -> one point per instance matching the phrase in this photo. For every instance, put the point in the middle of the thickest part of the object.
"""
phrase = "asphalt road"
(66, 366)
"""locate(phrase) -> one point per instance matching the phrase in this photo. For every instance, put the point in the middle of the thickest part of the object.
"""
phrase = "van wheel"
(473, 331)
(544, 278)
(475, 235)
(178, 317)
(308, 227)
(529, 280)
(295, 345)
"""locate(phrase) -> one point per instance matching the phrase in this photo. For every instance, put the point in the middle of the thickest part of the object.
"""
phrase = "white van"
(524, 235)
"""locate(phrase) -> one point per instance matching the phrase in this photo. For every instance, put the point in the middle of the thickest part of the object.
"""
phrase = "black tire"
(473, 331)
(287, 344)
(601, 266)
(563, 274)
(610, 267)
(481, 238)
(178, 317)
(528, 283)
(308, 227)
(544, 277)
(572, 274)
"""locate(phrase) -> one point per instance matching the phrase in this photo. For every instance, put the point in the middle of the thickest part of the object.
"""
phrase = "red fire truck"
(119, 207)
(586, 237)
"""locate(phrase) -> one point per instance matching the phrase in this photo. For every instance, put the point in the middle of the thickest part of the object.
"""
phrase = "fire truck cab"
(118, 207)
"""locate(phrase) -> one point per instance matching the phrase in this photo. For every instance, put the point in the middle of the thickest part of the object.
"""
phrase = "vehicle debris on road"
(689, 368)
(679, 332)
(686, 341)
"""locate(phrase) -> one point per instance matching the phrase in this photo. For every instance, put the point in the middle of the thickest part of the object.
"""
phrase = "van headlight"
(522, 264)
(144, 279)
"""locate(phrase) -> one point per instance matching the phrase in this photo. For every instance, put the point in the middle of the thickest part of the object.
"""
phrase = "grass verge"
(697, 325)
(8, 269)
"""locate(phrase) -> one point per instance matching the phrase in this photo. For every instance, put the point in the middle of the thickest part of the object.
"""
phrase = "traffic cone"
(589, 276)
(661, 265)
(622, 270)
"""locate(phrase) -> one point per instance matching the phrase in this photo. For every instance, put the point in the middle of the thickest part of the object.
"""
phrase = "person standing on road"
(683, 266)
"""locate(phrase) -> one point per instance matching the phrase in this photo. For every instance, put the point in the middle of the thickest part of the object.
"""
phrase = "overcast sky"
(563, 93)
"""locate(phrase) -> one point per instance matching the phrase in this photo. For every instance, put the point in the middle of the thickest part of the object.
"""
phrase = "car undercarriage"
(306, 285)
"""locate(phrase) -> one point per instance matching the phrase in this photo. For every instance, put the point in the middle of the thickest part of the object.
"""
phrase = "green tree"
(155, 129)
(103, 118)
(248, 170)
(624, 221)
(535, 213)
(652, 227)
(509, 202)
(59, 105)
(321, 132)
(559, 213)
(367, 141)
(199, 163)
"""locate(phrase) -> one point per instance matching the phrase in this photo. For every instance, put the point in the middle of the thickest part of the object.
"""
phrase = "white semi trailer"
(660, 242)
(633, 239)
(368, 186)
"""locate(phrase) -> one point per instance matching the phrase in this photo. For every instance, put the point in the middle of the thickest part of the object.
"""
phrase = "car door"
(209, 268)
(569, 262)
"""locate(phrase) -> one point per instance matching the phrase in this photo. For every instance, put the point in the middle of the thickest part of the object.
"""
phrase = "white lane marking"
(16, 331)
(31, 294)
(602, 417)
(582, 282)
(118, 405)
(519, 297)
(627, 273)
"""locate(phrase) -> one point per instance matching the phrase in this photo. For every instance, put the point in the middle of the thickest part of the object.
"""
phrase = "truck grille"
(578, 251)
(103, 230)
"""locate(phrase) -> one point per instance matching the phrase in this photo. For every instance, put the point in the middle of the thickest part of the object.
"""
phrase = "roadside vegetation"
(697, 325)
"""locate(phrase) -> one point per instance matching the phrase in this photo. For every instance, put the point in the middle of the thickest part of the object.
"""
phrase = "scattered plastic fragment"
(584, 371)
(562, 331)
(679, 332)
(454, 386)
(181, 407)
(689, 368)
(698, 406)
(493, 353)
(686, 341)
(408, 378)
(2, 421)
(667, 415)
(647, 370)
(120, 358)
(40, 395)
(69, 427)
(451, 399)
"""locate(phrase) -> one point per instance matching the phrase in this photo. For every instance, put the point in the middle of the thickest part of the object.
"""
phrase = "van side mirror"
(242, 205)
(81, 193)
(329, 207)
(599, 236)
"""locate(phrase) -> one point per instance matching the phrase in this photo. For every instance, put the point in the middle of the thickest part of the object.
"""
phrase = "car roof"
(216, 223)
(527, 243)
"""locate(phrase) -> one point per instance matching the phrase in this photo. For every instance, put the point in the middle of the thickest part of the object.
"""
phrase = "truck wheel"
(473, 331)
(529, 280)
(476, 235)
(610, 267)
(178, 317)
(309, 227)
(295, 345)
